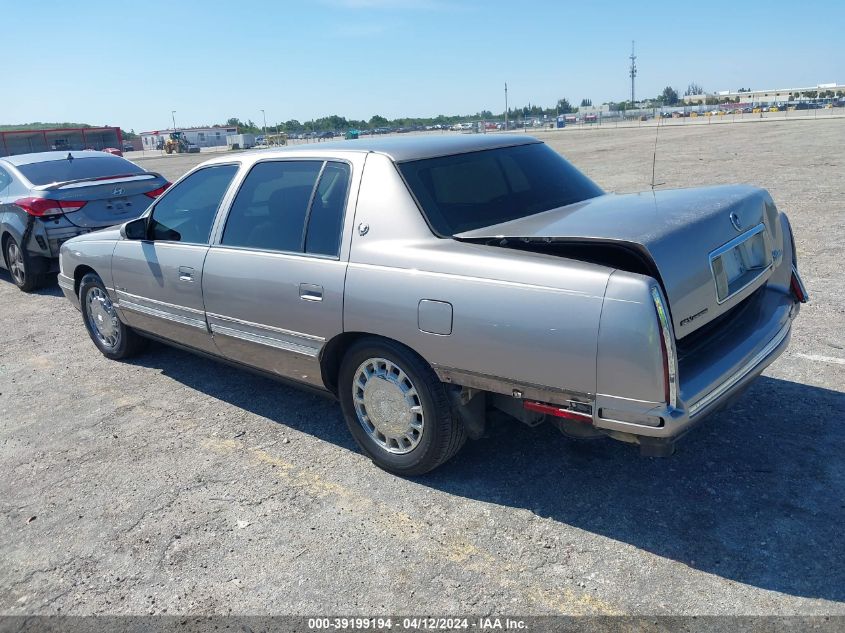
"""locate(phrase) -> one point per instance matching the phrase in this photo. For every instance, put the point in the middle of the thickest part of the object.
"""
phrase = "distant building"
(763, 96)
(199, 136)
(26, 140)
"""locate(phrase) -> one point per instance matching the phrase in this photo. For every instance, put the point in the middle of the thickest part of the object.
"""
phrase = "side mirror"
(134, 229)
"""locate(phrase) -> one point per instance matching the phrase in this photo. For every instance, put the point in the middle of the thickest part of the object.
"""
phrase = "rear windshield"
(62, 170)
(469, 191)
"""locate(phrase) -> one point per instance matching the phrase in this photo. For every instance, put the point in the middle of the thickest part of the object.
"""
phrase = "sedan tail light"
(667, 348)
(797, 287)
(155, 193)
(41, 207)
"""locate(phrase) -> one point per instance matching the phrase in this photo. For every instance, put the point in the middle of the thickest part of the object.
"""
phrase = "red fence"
(27, 141)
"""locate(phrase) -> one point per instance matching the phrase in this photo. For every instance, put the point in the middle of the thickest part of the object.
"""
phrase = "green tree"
(564, 107)
(693, 89)
(669, 96)
(378, 121)
(586, 103)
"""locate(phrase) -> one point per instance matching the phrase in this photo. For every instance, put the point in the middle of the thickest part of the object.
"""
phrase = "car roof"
(406, 148)
(43, 157)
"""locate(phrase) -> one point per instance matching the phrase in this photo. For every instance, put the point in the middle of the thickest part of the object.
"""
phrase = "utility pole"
(633, 71)
(173, 116)
(264, 129)
(506, 106)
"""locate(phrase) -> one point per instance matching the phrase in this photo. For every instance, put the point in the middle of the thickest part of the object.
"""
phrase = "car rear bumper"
(713, 378)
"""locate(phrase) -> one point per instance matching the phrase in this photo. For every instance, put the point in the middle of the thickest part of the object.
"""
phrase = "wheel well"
(78, 273)
(333, 352)
(332, 355)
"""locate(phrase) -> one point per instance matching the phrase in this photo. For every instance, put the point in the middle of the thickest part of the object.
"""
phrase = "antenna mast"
(633, 71)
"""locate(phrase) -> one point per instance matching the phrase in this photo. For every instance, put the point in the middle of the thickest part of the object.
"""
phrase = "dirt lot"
(172, 484)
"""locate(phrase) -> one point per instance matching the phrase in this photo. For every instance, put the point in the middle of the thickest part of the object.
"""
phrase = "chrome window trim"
(732, 244)
(696, 407)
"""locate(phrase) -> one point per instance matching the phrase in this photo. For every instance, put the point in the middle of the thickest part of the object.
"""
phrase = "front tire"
(396, 408)
(20, 266)
(113, 338)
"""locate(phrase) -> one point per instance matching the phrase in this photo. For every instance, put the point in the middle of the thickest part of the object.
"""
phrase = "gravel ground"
(172, 484)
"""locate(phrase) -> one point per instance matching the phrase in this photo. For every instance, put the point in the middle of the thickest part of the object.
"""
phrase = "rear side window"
(325, 222)
(187, 210)
(469, 191)
(279, 199)
(63, 170)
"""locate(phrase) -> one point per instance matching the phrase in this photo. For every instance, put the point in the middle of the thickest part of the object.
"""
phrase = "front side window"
(469, 191)
(187, 210)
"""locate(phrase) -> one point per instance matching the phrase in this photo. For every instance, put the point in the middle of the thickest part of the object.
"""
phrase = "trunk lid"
(108, 201)
(710, 247)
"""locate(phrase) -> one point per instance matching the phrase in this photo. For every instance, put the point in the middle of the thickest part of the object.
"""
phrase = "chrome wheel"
(388, 406)
(17, 267)
(102, 318)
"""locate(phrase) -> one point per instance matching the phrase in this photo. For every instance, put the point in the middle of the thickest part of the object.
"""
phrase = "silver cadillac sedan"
(428, 281)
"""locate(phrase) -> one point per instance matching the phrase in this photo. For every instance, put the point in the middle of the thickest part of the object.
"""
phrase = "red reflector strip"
(558, 412)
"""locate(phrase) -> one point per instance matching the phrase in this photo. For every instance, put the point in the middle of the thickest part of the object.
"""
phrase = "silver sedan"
(427, 281)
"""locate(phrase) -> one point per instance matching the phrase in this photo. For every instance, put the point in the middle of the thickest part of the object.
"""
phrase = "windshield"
(47, 172)
(469, 191)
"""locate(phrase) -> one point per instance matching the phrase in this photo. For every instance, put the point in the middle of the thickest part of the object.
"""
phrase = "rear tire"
(113, 338)
(396, 408)
(20, 266)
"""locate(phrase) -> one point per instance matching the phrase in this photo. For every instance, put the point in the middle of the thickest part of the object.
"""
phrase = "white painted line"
(822, 359)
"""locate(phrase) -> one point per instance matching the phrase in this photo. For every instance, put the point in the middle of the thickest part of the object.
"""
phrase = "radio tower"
(633, 71)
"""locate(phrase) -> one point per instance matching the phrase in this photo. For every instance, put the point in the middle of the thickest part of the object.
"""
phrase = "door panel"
(273, 310)
(159, 289)
(158, 281)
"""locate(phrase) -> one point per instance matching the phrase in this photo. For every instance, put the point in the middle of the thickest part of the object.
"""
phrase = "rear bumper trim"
(702, 403)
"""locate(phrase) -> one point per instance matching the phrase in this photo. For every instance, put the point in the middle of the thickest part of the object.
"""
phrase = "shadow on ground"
(755, 495)
(49, 287)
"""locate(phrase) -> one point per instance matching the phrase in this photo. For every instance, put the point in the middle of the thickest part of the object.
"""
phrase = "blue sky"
(130, 63)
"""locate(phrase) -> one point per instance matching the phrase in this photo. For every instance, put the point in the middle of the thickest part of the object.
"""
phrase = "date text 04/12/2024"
(416, 624)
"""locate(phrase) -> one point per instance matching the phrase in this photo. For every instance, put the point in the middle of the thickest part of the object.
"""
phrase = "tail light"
(667, 348)
(155, 193)
(41, 207)
(797, 287)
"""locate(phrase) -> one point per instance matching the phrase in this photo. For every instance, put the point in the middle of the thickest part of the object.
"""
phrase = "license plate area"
(740, 262)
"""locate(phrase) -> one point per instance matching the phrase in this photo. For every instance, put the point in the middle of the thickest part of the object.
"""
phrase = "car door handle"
(310, 292)
(186, 273)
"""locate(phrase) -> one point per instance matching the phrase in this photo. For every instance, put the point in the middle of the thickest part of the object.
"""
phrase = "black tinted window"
(470, 191)
(186, 212)
(326, 218)
(270, 209)
(90, 167)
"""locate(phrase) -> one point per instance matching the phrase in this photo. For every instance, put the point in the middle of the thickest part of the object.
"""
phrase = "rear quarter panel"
(529, 318)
